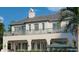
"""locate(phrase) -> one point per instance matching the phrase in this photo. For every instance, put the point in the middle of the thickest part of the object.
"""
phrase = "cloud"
(54, 8)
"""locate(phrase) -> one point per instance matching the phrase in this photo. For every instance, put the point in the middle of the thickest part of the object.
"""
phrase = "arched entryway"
(18, 45)
(39, 45)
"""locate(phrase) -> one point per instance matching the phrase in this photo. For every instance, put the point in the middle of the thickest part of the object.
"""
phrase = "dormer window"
(36, 26)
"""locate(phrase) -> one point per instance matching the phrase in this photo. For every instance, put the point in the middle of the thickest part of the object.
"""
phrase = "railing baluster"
(48, 30)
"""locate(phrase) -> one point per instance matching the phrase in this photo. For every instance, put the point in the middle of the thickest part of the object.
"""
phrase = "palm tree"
(72, 15)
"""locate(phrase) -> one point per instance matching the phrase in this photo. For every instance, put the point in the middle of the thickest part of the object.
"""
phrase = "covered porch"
(36, 45)
(18, 46)
(39, 45)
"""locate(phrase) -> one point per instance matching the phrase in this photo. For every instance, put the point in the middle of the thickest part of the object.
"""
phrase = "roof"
(50, 18)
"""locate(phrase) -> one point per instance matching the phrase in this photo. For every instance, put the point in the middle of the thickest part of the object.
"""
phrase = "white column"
(21, 46)
(14, 47)
(35, 45)
(48, 44)
(70, 41)
(11, 45)
(5, 46)
(41, 46)
(29, 45)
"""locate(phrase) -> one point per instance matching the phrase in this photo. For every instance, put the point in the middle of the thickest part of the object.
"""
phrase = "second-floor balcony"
(32, 32)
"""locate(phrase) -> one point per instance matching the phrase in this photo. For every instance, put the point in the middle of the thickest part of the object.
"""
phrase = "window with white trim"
(36, 26)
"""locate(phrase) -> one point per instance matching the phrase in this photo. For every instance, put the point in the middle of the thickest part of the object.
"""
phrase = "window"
(17, 29)
(19, 45)
(33, 45)
(20, 28)
(24, 46)
(36, 27)
(29, 27)
(43, 26)
(23, 28)
(38, 45)
(56, 25)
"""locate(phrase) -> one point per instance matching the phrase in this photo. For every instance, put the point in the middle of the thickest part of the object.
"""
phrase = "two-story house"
(37, 33)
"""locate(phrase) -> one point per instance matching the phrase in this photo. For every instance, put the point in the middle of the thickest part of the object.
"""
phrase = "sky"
(10, 14)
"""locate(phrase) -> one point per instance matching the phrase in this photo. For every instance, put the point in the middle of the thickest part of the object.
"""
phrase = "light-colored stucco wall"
(27, 27)
(29, 38)
(48, 25)
(12, 28)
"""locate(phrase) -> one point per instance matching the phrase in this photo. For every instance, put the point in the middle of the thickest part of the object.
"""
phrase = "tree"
(72, 15)
(1, 34)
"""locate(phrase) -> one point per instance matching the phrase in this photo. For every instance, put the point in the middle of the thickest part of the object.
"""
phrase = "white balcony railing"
(33, 32)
